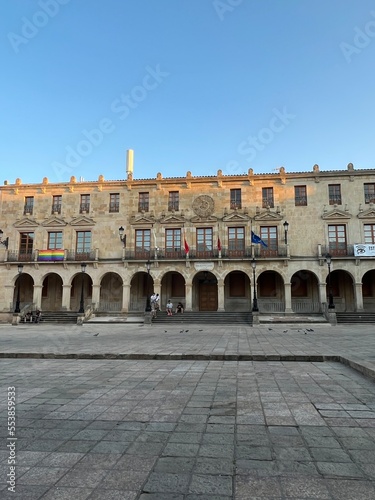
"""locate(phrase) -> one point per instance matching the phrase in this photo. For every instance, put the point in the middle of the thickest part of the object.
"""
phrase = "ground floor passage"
(187, 430)
(302, 292)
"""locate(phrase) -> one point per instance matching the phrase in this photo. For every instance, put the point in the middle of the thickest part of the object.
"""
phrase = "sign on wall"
(364, 250)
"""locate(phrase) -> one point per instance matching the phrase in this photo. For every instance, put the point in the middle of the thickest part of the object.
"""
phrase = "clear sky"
(195, 85)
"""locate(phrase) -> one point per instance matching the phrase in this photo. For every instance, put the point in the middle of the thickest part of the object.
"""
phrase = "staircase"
(59, 317)
(205, 317)
(355, 317)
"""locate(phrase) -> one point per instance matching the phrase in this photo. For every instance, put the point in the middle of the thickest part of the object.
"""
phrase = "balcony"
(338, 250)
(370, 198)
(173, 206)
(335, 200)
(15, 256)
(84, 208)
(56, 209)
(28, 210)
(81, 256)
(143, 207)
(235, 205)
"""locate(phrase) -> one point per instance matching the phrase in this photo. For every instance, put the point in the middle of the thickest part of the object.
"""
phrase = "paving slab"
(140, 412)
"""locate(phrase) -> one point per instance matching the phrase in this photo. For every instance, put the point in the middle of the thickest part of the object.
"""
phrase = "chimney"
(129, 162)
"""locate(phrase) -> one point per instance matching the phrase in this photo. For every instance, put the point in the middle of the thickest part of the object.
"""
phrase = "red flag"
(186, 246)
(219, 244)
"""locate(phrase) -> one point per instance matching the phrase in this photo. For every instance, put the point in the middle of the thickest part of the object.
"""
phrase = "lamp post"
(255, 301)
(122, 235)
(286, 227)
(20, 269)
(331, 305)
(82, 301)
(5, 242)
(148, 301)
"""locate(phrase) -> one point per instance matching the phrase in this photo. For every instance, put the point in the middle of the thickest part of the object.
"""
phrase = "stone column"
(189, 297)
(220, 295)
(288, 297)
(37, 296)
(8, 297)
(95, 299)
(65, 304)
(125, 298)
(358, 296)
(322, 294)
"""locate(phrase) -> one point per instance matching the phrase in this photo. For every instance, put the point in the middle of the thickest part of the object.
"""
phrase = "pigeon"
(181, 331)
(285, 331)
(186, 330)
(269, 328)
(310, 330)
(201, 330)
(165, 331)
(96, 334)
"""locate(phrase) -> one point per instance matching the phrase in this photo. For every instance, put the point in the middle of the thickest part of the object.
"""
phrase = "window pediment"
(54, 222)
(173, 219)
(141, 220)
(236, 217)
(336, 215)
(26, 223)
(210, 218)
(82, 221)
(267, 215)
(367, 214)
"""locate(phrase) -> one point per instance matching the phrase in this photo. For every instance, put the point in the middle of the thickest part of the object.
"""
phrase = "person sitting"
(179, 308)
(169, 308)
(38, 316)
(28, 316)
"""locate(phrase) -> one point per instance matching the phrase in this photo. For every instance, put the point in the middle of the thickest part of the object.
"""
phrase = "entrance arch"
(52, 292)
(111, 293)
(205, 295)
(237, 292)
(305, 292)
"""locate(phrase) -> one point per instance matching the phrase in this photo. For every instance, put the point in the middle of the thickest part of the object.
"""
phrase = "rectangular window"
(204, 242)
(236, 241)
(337, 239)
(267, 198)
(85, 204)
(114, 202)
(143, 203)
(83, 245)
(26, 246)
(173, 243)
(369, 193)
(300, 196)
(55, 240)
(142, 243)
(174, 200)
(235, 199)
(56, 204)
(269, 235)
(334, 192)
(369, 233)
(29, 205)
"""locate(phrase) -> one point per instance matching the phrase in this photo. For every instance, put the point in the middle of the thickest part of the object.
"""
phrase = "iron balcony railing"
(84, 207)
(338, 250)
(28, 209)
(56, 208)
(81, 256)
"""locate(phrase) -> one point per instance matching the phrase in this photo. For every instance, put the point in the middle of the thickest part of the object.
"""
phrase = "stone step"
(205, 317)
(355, 317)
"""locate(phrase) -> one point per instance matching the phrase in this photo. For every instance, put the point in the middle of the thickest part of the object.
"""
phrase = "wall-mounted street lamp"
(286, 227)
(331, 305)
(5, 242)
(82, 301)
(17, 308)
(255, 300)
(148, 301)
(121, 231)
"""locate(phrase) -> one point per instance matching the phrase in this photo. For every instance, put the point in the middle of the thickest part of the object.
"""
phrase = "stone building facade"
(189, 239)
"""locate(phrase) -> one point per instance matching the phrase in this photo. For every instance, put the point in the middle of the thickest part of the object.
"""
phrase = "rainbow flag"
(46, 255)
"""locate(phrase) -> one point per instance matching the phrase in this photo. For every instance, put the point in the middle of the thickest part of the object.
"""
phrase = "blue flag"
(257, 239)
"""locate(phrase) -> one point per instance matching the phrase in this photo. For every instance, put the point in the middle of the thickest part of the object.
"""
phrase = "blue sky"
(195, 85)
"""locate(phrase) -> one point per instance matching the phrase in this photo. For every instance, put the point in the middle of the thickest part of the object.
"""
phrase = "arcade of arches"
(203, 291)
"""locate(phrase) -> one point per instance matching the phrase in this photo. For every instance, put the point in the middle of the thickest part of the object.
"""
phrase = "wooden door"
(208, 297)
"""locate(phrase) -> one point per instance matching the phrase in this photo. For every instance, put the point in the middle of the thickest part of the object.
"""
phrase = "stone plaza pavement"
(134, 412)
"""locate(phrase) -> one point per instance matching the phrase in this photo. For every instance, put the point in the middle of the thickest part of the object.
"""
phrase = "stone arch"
(368, 290)
(111, 290)
(342, 286)
(141, 287)
(23, 291)
(305, 292)
(237, 296)
(173, 287)
(80, 290)
(52, 287)
(205, 291)
(270, 291)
